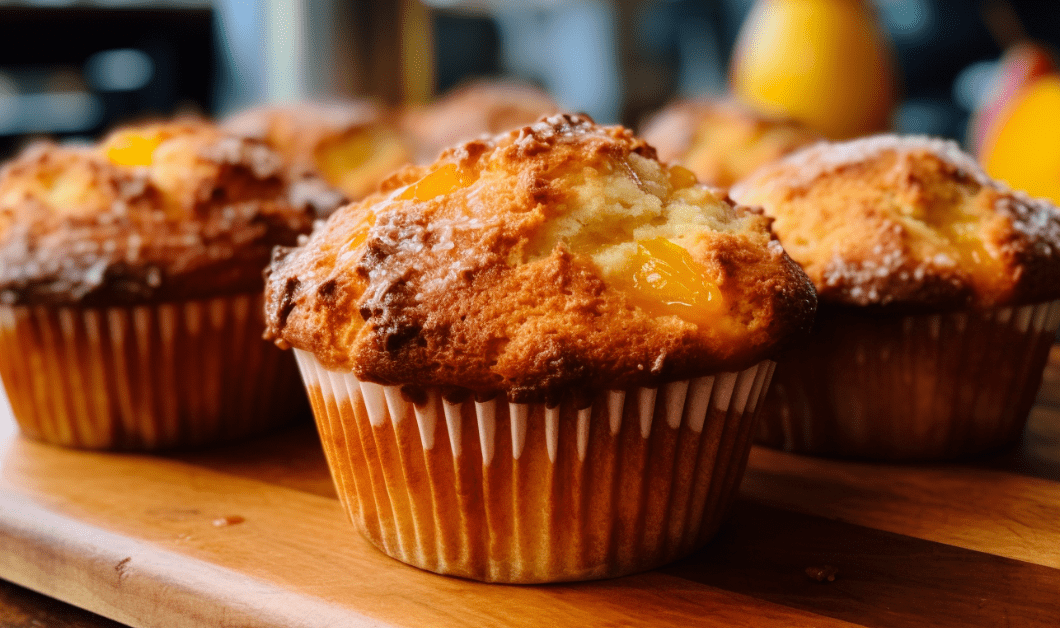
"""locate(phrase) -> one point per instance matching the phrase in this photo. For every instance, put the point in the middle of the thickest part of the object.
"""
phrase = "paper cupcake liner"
(509, 492)
(145, 377)
(928, 387)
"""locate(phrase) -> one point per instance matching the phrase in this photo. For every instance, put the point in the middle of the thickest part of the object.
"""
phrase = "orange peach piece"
(664, 279)
(444, 180)
(131, 148)
(1022, 148)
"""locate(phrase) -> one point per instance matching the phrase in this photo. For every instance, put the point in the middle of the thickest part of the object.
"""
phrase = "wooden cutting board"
(252, 535)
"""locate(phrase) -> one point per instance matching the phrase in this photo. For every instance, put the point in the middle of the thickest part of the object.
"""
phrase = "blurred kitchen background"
(75, 68)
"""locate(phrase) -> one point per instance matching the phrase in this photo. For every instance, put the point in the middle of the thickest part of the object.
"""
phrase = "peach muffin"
(539, 358)
(722, 141)
(938, 291)
(473, 109)
(130, 287)
(353, 145)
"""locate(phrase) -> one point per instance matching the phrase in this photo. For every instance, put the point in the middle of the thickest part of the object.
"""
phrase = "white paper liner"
(511, 492)
(925, 387)
(145, 377)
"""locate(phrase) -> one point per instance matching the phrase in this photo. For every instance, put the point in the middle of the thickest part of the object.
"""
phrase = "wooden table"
(252, 535)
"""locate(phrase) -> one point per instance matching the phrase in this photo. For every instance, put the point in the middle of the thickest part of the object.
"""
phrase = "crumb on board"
(823, 573)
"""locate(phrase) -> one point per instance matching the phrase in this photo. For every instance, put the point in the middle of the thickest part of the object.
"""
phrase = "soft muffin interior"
(639, 220)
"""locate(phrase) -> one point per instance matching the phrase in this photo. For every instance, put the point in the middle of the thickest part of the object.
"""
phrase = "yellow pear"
(826, 63)
(1022, 147)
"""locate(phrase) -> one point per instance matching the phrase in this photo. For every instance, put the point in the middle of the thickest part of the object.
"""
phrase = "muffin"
(473, 109)
(353, 145)
(130, 287)
(539, 358)
(938, 290)
(722, 141)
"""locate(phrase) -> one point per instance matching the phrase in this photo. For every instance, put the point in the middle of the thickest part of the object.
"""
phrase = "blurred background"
(73, 68)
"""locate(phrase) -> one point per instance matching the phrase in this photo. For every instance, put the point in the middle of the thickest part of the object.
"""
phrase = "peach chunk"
(664, 279)
(444, 180)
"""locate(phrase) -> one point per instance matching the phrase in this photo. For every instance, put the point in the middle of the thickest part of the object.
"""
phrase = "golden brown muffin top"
(910, 223)
(483, 107)
(722, 141)
(160, 211)
(352, 144)
(561, 256)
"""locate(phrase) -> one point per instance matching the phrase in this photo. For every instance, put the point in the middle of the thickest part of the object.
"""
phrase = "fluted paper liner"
(145, 377)
(927, 387)
(508, 492)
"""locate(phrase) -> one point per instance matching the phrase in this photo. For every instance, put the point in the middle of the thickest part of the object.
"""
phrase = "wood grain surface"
(22, 608)
(252, 535)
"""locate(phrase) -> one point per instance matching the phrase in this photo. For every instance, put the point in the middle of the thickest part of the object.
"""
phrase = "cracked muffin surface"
(559, 256)
(908, 223)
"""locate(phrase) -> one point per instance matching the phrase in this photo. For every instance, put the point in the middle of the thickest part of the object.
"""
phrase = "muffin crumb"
(823, 573)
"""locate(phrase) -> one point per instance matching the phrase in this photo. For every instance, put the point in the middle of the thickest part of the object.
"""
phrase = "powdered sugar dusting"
(430, 257)
(862, 278)
(1036, 219)
(801, 168)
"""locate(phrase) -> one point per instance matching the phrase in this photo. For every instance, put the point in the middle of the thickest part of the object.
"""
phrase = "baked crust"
(910, 224)
(352, 144)
(722, 141)
(78, 228)
(473, 288)
(483, 107)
